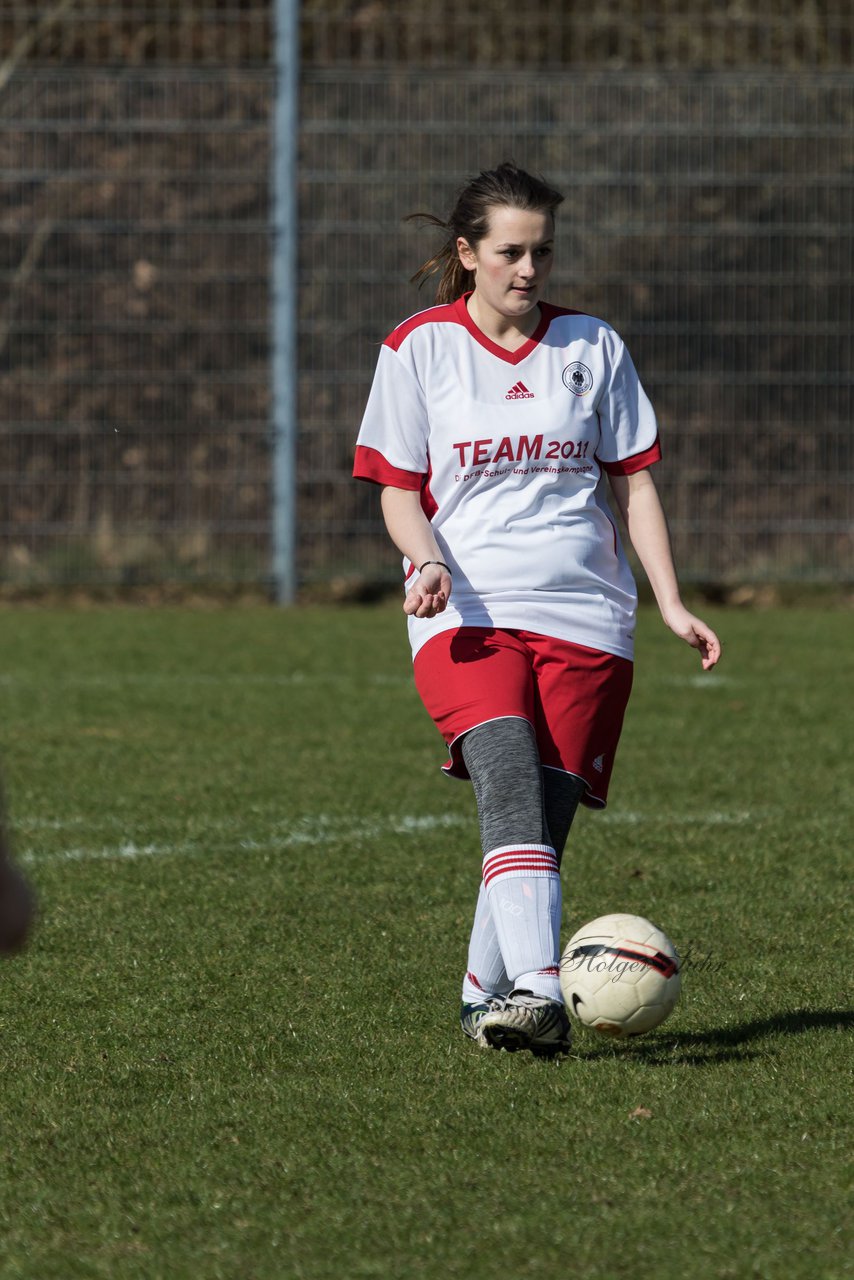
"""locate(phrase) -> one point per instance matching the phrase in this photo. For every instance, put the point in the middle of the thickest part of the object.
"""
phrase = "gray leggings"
(517, 799)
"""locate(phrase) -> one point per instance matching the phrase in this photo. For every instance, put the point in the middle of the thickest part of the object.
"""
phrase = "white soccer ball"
(620, 975)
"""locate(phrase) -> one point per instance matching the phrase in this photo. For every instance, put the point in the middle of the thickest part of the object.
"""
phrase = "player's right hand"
(429, 594)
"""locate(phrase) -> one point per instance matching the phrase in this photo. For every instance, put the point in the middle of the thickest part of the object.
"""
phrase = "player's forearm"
(408, 526)
(642, 511)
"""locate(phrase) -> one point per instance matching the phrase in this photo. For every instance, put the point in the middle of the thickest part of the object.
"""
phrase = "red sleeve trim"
(628, 466)
(371, 465)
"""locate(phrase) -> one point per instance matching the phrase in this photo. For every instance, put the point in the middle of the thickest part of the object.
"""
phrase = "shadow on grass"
(726, 1044)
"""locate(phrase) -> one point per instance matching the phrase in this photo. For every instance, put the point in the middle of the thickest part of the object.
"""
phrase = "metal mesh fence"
(134, 260)
(709, 218)
(134, 33)
(133, 328)
(610, 34)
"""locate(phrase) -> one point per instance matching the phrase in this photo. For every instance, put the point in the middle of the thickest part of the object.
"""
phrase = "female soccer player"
(491, 419)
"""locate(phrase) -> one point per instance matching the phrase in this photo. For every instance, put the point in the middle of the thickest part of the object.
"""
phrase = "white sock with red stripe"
(522, 884)
(486, 975)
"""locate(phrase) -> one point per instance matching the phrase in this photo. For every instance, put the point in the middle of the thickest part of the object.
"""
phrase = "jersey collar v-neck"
(511, 357)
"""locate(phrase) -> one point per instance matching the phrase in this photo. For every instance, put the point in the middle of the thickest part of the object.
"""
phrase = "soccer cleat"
(509, 1026)
(554, 1033)
(471, 1016)
(526, 1021)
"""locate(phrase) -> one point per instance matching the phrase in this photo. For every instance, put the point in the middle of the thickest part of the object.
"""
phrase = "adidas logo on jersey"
(519, 392)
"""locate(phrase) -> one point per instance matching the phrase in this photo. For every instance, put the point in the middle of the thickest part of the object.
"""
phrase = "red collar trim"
(510, 357)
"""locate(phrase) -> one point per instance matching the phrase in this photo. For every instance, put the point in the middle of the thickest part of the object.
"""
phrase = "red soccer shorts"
(574, 697)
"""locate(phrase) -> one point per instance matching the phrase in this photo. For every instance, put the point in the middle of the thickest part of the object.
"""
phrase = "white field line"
(321, 831)
(714, 818)
(699, 680)
(188, 679)
(112, 680)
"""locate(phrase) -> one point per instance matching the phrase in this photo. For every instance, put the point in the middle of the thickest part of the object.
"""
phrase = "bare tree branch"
(21, 277)
(28, 41)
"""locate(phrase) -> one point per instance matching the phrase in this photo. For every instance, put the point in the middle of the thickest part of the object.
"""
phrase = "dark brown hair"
(507, 186)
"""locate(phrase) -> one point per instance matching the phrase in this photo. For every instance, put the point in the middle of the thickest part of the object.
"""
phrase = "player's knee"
(504, 765)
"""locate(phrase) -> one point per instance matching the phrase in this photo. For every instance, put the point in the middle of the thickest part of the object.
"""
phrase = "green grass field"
(231, 1049)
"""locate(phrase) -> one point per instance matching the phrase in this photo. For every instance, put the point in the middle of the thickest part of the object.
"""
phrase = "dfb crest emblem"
(577, 378)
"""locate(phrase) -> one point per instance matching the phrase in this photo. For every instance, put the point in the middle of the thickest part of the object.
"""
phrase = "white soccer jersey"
(507, 449)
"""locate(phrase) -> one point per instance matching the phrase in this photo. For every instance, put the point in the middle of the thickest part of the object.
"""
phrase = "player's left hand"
(697, 633)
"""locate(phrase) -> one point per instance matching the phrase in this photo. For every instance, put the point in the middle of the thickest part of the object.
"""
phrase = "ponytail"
(454, 278)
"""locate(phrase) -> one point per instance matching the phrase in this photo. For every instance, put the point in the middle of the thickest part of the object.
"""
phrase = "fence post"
(283, 314)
